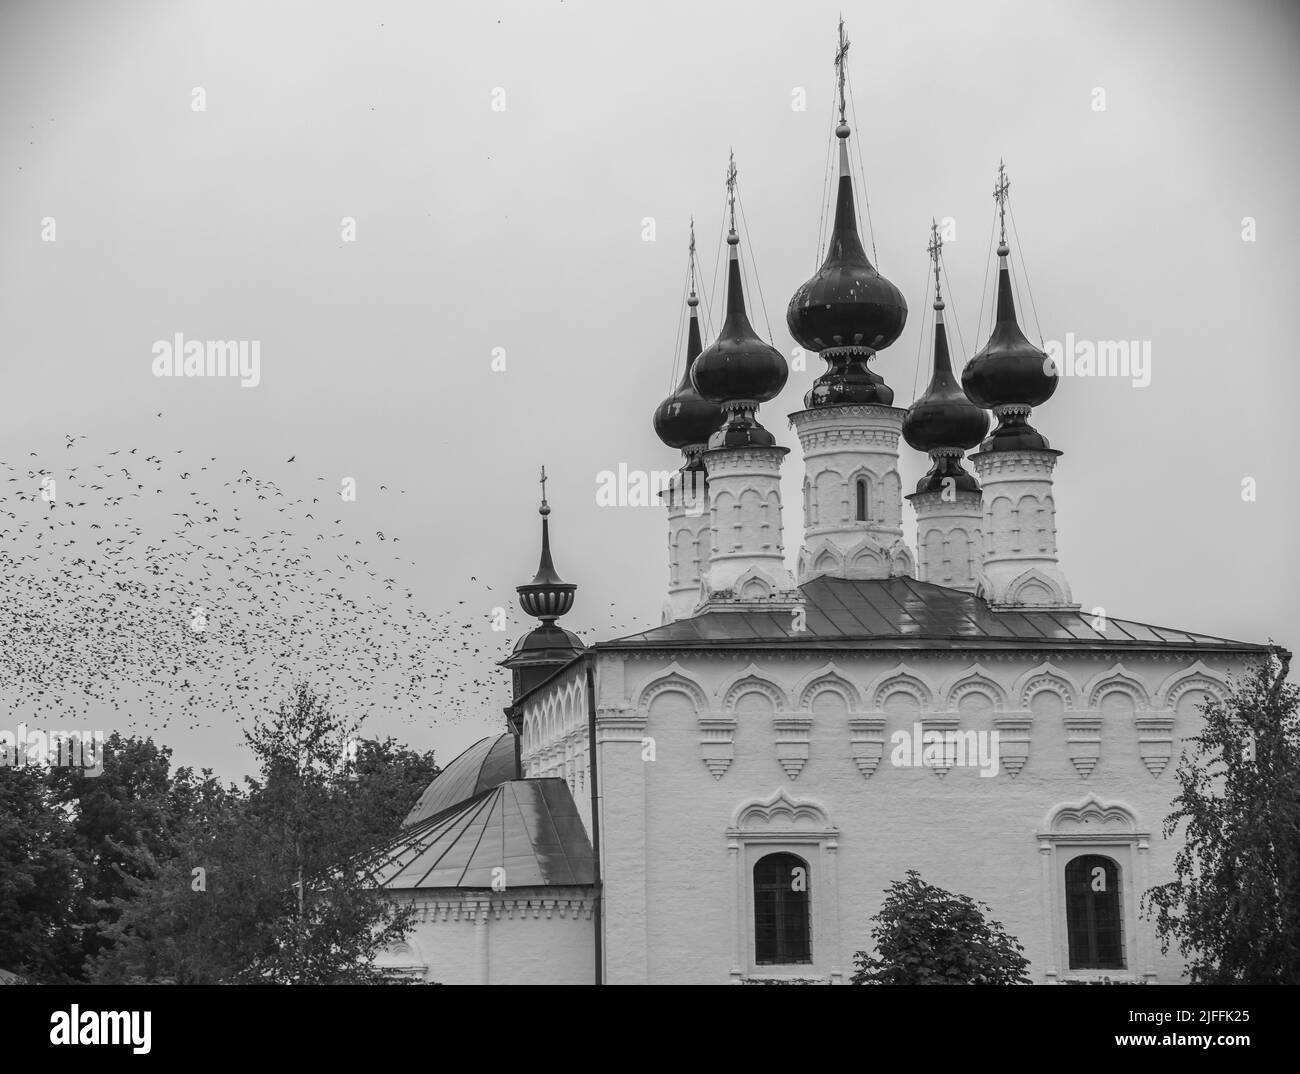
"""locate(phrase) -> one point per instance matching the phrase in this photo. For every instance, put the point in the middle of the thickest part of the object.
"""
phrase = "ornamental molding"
(1046, 676)
(1010, 465)
(793, 732)
(1117, 678)
(976, 680)
(1196, 677)
(1090, 819)
(730, 462)
(827, 678)
(780, 816)
(751, 680)
(849, 412)
(717, 742)
(673, 679)
(903, 680)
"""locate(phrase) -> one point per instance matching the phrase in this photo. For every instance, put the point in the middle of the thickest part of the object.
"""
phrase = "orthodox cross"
(1000, 196)
(933, 248)
(731, 188)
(841, 57)
(542, 481)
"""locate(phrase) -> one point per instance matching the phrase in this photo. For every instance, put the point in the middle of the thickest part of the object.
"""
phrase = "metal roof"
(902, 613)
(485, 764)
(528, 827)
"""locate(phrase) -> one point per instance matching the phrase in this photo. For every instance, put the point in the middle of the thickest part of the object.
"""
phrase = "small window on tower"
(862, 499)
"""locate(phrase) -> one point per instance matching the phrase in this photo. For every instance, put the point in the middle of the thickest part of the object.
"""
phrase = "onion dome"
(547, 647)
(685, 420)
(848, 303)
(738, 370)
(848, 310)
(1010, 375)
(943, 421)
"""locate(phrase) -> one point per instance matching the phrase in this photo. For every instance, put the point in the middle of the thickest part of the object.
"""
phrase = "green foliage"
(1233, 908)
(925, 935)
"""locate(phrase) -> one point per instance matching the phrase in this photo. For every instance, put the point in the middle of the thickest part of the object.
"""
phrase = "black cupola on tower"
(1009, 376)
(848, 310)
(738, 371)
(943, 422)
(547, 647)
(686, 420)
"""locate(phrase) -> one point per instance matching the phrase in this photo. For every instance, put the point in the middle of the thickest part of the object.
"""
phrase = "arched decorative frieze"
(673, 679)
(827, 678)
(751, 680)
(1196, 677)
(1045, 677)
(1117, 678)
(906, 682)
(975, 680)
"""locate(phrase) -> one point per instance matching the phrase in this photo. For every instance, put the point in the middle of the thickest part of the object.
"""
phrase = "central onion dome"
(1010, 375)
(943, 421)
(848, 310)
(739, 371)
(685, 420)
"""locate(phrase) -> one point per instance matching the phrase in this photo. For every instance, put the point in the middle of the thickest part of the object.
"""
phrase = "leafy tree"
(40, 937)
(1233, 907)
(925, 935)
(278, 902)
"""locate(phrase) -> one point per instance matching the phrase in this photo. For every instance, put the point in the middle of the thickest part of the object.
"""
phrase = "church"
(725, 797)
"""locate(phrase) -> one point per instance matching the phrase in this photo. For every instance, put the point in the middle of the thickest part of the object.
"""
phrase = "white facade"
(710, 759)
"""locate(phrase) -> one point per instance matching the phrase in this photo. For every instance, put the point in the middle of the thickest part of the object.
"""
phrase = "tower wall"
(1020, 567)
(949, 537)
(747, 552)
(843, 445)
(689, 542)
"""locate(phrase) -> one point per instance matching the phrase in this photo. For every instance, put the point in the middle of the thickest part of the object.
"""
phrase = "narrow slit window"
(862, 499)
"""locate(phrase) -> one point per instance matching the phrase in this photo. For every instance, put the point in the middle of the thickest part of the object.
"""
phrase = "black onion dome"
(943, 417)
(547, 596)
(738, 365)
(848, 303)
(685, 418)
(1010, 369)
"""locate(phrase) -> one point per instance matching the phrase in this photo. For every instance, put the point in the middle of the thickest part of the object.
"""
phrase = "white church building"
(947, 708)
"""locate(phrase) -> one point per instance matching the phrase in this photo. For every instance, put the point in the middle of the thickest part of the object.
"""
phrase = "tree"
(925, 935)
(40, 935)
(276, 901)
(1233, 907)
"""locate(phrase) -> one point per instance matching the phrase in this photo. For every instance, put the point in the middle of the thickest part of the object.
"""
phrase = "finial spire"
(841, 58)
(1000, 196)
(731, 193)
(691, 256)
(545, 509)
(934, 248)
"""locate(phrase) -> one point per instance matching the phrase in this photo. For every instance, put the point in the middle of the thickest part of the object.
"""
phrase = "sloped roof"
(528, 827)
(487, 763)
(902, 613)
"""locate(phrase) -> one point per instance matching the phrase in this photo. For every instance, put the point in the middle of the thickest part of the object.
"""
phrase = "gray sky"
(522, 229)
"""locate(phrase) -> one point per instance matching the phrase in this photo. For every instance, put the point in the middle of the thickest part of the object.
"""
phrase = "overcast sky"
(522, 229)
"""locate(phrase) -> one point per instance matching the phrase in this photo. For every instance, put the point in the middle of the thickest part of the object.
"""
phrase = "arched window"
(862, 499)
(1093, 913)
(782, 920)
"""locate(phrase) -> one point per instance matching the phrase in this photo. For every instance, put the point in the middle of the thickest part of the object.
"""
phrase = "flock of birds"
(165, 590)
(143, 583)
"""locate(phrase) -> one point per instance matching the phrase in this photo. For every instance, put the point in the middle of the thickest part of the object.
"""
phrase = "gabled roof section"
(487, 763)
(528, 827)
(902, 613)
